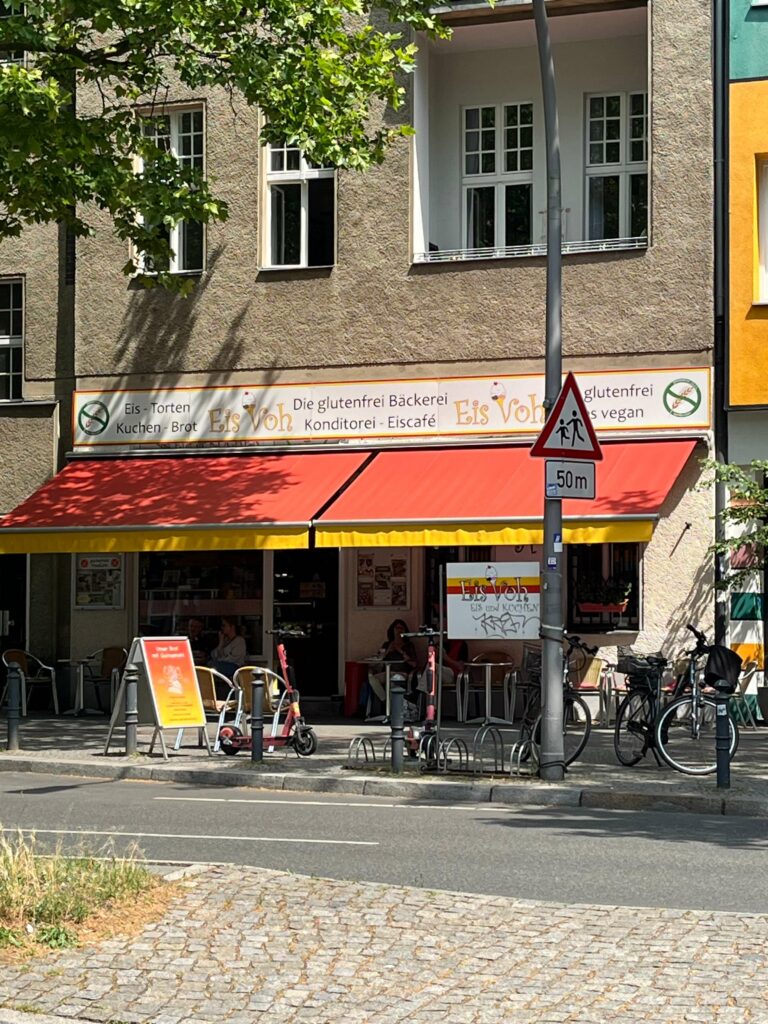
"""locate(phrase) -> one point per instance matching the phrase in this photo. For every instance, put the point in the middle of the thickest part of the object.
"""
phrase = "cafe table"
(78, 664)
(389, 665)
(488, 667)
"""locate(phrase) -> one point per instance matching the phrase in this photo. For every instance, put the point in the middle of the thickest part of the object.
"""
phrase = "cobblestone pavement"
(242, 941)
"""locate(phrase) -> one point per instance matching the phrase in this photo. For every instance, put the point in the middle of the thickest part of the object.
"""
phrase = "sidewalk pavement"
(241, 941)
(74, 746)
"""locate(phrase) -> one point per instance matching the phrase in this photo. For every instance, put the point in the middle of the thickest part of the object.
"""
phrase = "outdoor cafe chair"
(103, 669)
(589, 679)
(215, 706)
(243, 680)
(34, 672)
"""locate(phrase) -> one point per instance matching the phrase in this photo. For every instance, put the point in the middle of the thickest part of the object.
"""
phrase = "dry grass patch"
(53, 901)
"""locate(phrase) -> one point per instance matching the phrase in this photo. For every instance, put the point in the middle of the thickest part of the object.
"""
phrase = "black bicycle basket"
(723, 668)
(640, 672)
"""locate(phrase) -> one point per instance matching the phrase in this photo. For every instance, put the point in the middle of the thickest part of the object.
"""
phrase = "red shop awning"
(179, 503)
(495, 496)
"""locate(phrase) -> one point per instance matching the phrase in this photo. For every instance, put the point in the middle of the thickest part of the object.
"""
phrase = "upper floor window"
(617, 165)
(8, 8)
(181, 133)
(300, 210)
(762, 230)
(11, 338)
(497, 175)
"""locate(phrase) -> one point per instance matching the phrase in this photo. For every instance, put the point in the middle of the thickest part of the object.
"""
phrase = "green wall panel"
(749, 40)
(746, 607)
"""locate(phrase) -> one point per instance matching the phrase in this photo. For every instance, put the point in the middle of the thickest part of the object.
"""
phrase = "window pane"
(5, 323)
(277, 160)
(488, 163)
(604, 207)
(472, 118)
(511, 114)
(191, 245)
(596, 130)
(511, 138)
(293, 159)
(321, 223)
(481, 217)
(5, 360)
(473, 142)
(613, 129)
(526, 160)
(286, 224)
(5, 388)
(596, 106)
(526, 113)
(596, 153)
(613, 106)
(517, 215)
(612, 152)
(638, 208)
(511, 161)
(637, 103)
(473, 164)
(489, 117)
(16, 323)
(16, 359)
(489, 140)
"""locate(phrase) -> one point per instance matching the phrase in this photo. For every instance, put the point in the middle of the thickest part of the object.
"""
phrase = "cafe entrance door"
(306, 597)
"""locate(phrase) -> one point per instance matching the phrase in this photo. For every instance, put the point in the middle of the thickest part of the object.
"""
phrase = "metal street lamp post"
(552, 764)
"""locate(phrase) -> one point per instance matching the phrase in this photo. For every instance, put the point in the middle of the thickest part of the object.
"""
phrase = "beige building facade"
(427, 269)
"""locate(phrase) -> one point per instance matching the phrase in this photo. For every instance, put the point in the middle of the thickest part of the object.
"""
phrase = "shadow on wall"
(156, 329)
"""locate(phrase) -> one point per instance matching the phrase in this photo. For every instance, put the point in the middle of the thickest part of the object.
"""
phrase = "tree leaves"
(69, 130)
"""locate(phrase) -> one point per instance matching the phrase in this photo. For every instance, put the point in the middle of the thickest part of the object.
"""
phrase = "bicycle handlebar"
(575, 642)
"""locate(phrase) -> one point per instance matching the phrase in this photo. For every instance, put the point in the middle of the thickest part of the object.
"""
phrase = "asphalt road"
(571, 856)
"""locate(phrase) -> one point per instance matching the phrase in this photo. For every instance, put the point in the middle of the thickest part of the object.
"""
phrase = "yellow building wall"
(748, 361)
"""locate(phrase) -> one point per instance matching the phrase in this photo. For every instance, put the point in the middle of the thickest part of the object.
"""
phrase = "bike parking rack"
(361, 745)
(478, 747)
(456, 747)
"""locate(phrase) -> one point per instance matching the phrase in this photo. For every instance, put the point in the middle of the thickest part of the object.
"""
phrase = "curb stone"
(533, 794)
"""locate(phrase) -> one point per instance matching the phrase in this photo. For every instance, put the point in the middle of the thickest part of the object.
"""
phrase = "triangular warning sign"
(568, 432)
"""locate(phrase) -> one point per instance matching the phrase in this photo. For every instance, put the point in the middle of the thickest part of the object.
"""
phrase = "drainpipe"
(720, 28)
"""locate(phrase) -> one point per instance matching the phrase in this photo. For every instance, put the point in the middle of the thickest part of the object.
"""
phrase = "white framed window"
(497, 175)
(762, 229)
(182, 133)
(8, 8)
(616, 200)
(11, 338)
(300, 214)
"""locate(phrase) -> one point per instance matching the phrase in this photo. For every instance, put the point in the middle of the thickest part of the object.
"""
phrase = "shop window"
(617, 165)
(603, 587)
(762, 226)
(202, 585)
(497, 178)
(11, 339)
(300, 210)
(10, 9)
(181, 133)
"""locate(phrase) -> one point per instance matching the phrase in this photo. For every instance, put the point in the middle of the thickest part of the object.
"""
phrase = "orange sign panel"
(173, 683)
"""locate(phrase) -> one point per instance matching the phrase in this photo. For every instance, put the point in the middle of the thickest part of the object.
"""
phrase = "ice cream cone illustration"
(498, 393)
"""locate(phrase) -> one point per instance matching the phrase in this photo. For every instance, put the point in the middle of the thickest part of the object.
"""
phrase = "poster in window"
(383, 578)
(98, 582)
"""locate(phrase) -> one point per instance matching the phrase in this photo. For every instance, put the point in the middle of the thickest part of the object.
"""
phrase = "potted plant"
(595, 595)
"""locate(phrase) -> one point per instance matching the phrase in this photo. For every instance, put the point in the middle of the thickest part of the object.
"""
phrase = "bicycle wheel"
(685, 735)
(634, 728)
(577, 725)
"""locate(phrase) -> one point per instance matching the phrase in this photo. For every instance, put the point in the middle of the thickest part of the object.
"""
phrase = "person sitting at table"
(229, 654)
(200, 649)
(396, 648)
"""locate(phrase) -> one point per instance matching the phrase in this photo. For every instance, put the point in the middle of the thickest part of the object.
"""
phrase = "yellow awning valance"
(62, 542)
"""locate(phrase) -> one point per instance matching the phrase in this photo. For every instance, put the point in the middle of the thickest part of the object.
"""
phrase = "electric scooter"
(294, 732)
(423, 741)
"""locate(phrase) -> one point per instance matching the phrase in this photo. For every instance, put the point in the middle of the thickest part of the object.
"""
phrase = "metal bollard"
(722, 741)
(257, 717)
(14, 704)
(131, 708)
(397, 720)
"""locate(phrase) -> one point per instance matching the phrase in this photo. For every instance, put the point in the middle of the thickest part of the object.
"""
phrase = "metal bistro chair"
(103, 669)
(216, 708)
(740, 700)
(501, 679)
(34, 672)
(588, 680)
(243, 680)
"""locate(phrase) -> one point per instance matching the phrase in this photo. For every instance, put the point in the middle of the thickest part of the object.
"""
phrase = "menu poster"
(98, 582)
(172, 680)
(383, 578)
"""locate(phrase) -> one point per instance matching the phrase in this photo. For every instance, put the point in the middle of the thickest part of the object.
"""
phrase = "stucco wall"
(375, 309)
(27, 442)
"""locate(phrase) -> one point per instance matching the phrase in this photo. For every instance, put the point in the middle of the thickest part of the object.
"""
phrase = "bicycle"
(685, 730)
(577, 719)
(682, 731)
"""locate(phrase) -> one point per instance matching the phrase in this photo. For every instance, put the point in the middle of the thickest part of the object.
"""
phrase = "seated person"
(229, 654)
(396, 648)
(197, 641)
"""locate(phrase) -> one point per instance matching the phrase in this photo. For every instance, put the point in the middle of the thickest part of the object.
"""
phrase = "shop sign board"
(618, 403)
(493, 600)
(169, 695)
(566, 479)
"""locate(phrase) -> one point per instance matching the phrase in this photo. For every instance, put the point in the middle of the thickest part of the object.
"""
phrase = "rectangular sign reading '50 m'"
(625, 401)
